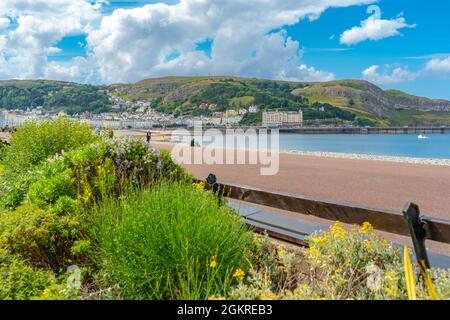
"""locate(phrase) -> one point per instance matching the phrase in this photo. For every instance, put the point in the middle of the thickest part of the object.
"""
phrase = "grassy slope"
(359, 97)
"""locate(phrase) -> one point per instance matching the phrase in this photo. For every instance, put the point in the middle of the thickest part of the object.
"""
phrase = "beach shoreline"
(351, 156)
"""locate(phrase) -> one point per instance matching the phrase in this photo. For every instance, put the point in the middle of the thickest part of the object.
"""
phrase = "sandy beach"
(381, 183)
(357, 179)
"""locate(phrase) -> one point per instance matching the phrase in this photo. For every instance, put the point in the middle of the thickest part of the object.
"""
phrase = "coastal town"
(141, 114)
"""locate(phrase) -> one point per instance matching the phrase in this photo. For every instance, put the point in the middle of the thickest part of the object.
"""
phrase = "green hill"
(53, 96)
(335, 102)
(355, 101)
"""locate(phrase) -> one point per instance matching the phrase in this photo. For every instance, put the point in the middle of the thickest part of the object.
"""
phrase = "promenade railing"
(409, 222)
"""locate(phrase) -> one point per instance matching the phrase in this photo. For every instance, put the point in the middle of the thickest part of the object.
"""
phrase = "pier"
(367, 130)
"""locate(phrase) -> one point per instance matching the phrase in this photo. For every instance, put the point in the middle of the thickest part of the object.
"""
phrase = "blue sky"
(410, 52)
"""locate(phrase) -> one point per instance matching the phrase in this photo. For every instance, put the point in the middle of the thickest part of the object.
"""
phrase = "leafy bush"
(18, 281)
(13, 190)
(30, 146)
(34, 142)
(172, 242)
(60, 190)
(104, 168)
(48, 189)
(41, 237)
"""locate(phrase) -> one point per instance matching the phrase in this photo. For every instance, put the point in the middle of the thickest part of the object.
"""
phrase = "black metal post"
(418, 234)
(215, 187)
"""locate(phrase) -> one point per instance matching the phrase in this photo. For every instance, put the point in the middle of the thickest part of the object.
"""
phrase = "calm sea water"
(408, 145)
(437, 146)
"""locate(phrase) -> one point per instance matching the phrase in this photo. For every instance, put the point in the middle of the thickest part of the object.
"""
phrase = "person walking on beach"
(192, 143)
(149, 137)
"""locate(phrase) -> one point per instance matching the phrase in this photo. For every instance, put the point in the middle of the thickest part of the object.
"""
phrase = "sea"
(434, 146)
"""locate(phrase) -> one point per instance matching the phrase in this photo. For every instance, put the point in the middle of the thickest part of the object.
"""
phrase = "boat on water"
(422, 137)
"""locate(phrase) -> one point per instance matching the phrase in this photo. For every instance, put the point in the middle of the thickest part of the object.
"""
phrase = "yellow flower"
(46, 292)
(199, 186)
(391, 292)
(386, 244)
(368, 245)
(338, 230)
(213, 263)
(263, 295)
(366, 228)
(256, 239)
(313, 251)
(239, 274)
(281, 252)
(319, 240)
(217, 298)
(338, 270)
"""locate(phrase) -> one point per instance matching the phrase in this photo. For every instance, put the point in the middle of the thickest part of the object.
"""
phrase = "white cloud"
(133, 44)
(439, 66)
(309, 74)
(396, 75)
(4, 23)
(374, 28)
(40, 24)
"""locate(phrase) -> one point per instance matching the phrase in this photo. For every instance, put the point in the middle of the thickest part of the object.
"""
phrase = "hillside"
(184, 95)
(337, 102)
(348, 99)
(53, 96)
(366, 97)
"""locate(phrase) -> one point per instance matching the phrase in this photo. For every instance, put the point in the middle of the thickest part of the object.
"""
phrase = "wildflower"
(239, 274)
(319, 240)
(338, 230)
(391, 280)
(313, 251)
(366, 228)
(213, 263)
(385, 244)
(263, 295)
(257, 239)
(368, 245)
(46, 292)
(199, 186)
(281, 252)
(338, 270)
(216, 298)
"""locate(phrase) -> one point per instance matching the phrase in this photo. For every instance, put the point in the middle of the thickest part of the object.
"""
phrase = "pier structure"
(367, 130)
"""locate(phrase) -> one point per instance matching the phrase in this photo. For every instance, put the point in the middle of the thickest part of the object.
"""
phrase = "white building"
(231, 120)
(279, 118)
(253, 109)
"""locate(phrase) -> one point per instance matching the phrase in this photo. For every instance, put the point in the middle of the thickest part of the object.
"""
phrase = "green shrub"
(48, 189)
(31, 145)
(13, 190)
(18, 281)
(172, 242)
(41, 237)
(34, 142)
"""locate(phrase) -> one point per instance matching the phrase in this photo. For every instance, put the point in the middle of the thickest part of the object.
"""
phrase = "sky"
(399, 44)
